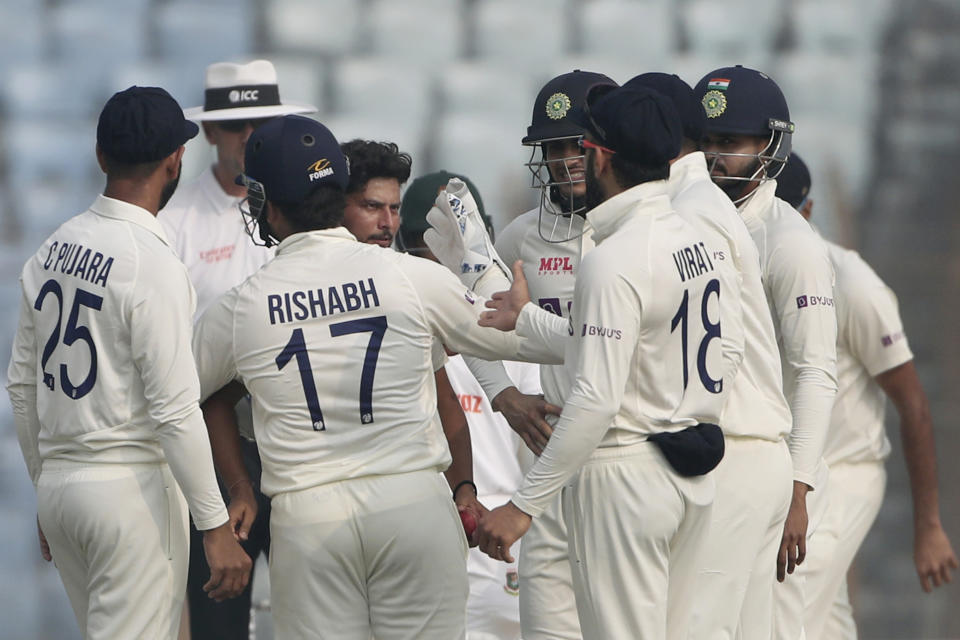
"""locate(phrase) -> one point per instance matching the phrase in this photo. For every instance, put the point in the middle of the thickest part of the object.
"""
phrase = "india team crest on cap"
(557, 106)
(714, 103)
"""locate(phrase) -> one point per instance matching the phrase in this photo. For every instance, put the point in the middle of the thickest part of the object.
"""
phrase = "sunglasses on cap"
(236, 126)
(586, 144)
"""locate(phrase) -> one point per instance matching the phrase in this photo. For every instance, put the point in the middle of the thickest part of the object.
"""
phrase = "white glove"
(458, 237)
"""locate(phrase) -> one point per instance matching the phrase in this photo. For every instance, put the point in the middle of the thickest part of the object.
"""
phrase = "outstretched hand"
(507, 305)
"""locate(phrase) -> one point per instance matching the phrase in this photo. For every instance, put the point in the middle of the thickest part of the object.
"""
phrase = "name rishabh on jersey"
(334, 341)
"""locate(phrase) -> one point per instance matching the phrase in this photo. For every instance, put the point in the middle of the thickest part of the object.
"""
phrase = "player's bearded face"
(722, 167)
(167, 192)
(594, 195)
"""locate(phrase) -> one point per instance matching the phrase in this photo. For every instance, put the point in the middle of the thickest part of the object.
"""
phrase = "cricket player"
(499, 455)
(333, 340)
(734, 594)
(747, 142)
(378, 171)
(551, 239)
(205, 231)
(646, 358)
(873, 361)
(104, 392)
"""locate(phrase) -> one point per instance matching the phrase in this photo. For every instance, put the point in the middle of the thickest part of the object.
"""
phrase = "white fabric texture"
(798, 280)
(733, 597)
(205, 229)
(870, 341)
(119, 537)
(856, 494)
(381, 556)
(101, 372)
(633, 377)
(635, 556)
(333, 339)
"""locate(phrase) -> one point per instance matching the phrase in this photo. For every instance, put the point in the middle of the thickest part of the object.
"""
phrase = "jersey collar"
(306, 239)
(686, 170)
(646, 198)
(759, 204)
(121, 210)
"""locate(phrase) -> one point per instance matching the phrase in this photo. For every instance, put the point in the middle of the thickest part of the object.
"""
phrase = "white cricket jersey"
(756, 406)
(798, 282)
(499, 455)
(644, 354)
(101, 370)
(870, 340)
(550, 269)
(334, 340)
(205, 228)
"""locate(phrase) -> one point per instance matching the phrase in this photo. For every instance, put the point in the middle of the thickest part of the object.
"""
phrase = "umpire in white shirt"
(104, 392)
(206, 230)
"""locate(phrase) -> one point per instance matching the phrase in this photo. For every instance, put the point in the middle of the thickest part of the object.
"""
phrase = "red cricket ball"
(469, 522)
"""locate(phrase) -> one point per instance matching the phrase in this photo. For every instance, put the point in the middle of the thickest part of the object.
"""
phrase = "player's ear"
(172, 163)
(101, 160)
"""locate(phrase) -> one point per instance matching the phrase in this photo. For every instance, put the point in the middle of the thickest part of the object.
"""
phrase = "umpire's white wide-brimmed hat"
(242, 91)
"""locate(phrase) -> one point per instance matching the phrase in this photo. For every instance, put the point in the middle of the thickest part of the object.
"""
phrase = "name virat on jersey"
(693, 261)
(324, 301)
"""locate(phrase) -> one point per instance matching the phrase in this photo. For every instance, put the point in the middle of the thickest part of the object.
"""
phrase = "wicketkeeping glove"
(458, 237)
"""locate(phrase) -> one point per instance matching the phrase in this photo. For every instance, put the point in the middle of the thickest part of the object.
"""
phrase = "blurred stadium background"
(873, 86)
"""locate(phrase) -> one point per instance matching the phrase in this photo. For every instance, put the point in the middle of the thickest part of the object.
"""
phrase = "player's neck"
(137, 193)
(226, 179)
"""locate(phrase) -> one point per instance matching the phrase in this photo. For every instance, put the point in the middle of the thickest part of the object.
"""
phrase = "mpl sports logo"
(813, 301)
(320, 169)
(555, 266)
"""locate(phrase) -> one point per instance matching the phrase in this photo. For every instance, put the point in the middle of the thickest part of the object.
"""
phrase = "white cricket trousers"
(548, 609)
(735, 582)
(856, 493)
(790, 596)
(119, 536)
(380, 555)
(637, 530)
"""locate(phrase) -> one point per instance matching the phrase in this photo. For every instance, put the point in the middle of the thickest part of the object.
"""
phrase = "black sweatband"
(460, 484)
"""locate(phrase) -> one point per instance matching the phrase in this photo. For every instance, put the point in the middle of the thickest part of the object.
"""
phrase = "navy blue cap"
(556, 99)
(682, 95)
(742, 101)
(291, 156)
(142, 124)
(638, 123)
(793, 183)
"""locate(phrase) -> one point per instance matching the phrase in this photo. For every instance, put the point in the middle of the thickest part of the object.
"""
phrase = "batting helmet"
(551, 123)
(742, 101)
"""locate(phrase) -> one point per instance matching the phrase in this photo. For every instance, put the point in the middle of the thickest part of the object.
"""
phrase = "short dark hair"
(369, 159)
(629, 173)
(322, 209)
(126, 171)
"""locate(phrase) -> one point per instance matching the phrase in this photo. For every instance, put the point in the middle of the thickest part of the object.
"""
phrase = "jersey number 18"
(712, 330)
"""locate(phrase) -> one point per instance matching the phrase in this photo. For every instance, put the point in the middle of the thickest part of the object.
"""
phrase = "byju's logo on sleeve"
(814, 301)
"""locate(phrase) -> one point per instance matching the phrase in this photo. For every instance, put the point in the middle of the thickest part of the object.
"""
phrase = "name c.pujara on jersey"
(294, 306)
(73, 259)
